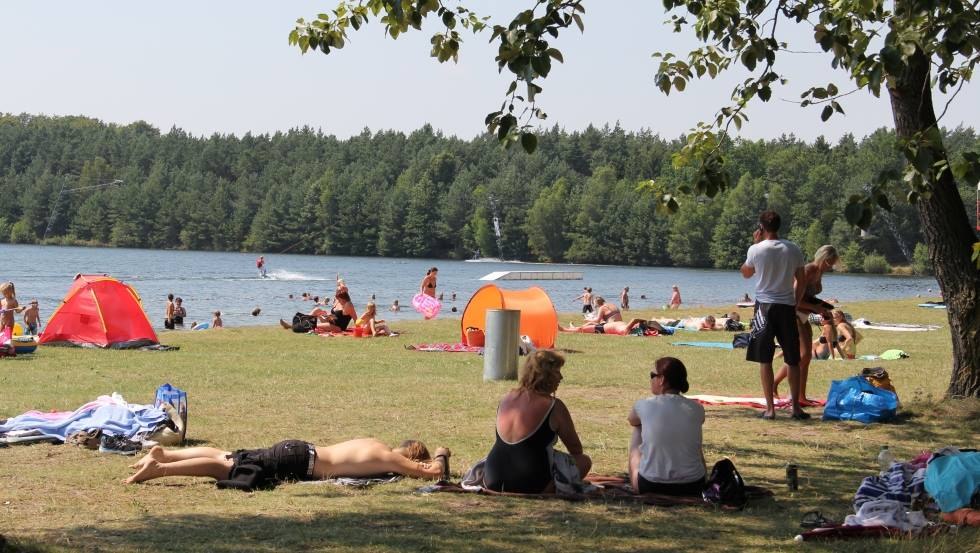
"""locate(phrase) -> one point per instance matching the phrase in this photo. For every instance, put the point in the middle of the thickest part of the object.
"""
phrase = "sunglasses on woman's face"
(653, 375)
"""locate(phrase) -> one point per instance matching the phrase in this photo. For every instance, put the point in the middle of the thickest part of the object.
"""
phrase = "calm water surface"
(209, 281)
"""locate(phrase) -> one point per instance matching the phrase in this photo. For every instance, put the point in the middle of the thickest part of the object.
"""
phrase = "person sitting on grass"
(370, 323)
(297, 460)
(665, 454)
(846, 335)
(605, 312)
(826, 345)
(530, 419)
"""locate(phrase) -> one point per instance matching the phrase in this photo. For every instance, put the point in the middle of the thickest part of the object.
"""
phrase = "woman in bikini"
(370, 323)
(846, 335)
(824, 260)
(530, 419)
(297, 460)
(428, 284)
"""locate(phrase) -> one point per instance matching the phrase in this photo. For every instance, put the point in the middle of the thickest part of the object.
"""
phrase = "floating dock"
(533, 275)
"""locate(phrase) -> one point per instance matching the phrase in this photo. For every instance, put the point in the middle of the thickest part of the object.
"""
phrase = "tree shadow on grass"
(491, 524)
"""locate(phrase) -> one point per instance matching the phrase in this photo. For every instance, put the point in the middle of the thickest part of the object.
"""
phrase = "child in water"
(216, 321)
(8, 306)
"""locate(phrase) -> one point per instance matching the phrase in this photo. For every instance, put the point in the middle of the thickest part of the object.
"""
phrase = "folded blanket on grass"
(455, 348)
(363, 482)
(757, 402)
(716, 345)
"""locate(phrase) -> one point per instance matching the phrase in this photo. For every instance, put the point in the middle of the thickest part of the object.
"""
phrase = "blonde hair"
(541, 372)
(7, 286)
(826, 253)
(371, 307)
(415, 450)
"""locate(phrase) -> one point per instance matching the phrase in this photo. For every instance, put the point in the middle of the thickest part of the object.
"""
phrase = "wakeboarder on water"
(260, 265)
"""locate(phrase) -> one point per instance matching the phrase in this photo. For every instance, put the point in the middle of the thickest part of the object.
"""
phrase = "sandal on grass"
(815, 519)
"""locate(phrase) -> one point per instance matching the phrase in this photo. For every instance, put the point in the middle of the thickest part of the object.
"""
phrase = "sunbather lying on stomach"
(621, 328)
(296, 460)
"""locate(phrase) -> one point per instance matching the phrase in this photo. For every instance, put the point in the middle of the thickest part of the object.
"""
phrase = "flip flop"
(815, 519)
(766, 416)
(801, 416)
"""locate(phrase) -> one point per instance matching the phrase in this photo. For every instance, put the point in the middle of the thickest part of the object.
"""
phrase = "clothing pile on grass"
(109, 423)
(922, 496)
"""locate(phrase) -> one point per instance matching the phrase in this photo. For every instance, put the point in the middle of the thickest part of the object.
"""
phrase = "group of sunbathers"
(608, 319)
(665, 454)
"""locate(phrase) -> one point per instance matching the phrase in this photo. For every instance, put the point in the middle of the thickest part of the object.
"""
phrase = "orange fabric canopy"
(99, 311)
(539, 321)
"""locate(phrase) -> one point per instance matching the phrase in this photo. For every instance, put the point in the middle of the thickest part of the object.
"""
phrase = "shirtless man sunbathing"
(297, 460)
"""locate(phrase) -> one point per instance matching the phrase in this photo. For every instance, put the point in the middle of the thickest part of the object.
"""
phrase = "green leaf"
(765, 93)
(578, 22)
(529, 141)
(679, 83)
(556, 54)
(826, 113)
(748, 59)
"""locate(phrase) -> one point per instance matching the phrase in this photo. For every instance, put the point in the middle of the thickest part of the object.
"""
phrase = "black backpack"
(732, 325)
(725, 485)
(741, 340)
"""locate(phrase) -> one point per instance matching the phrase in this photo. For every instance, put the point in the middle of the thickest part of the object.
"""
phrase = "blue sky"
(222, 66)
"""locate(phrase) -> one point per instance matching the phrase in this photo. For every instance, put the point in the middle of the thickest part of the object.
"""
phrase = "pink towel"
(757, 402)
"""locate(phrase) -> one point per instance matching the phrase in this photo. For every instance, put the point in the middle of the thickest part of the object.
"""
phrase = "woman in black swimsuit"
(530, 419)
(341, 314)
(428, 284)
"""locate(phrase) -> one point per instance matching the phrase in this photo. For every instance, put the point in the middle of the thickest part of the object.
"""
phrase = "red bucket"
(358, 332)
(474, 337)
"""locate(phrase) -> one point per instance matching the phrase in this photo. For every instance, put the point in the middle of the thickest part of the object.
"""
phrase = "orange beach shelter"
(539, 321)
(99, 311)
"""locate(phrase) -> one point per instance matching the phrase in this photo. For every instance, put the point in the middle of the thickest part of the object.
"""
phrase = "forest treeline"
(424, 194)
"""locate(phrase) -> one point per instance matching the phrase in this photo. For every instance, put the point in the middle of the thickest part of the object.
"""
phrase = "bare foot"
(150, 469)
(285, 325)
(156, 453)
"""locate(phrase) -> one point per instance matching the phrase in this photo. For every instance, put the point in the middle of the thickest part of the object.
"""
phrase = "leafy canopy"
(872, 41)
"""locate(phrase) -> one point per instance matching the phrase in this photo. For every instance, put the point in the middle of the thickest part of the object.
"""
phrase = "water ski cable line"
(63, 191)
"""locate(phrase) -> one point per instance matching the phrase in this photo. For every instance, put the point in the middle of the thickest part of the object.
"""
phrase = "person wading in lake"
(779, 288)
(428, 284)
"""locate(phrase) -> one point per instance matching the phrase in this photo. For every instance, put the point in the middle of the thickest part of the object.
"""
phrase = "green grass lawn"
(251, 387)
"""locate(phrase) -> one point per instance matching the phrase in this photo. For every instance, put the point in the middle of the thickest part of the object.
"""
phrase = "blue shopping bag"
(177, 398)
(856, 399)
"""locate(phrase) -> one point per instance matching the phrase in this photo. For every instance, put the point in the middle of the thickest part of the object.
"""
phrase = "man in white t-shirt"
(778, 265)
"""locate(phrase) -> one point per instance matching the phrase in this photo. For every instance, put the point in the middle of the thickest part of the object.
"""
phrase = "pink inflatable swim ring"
(426, 305)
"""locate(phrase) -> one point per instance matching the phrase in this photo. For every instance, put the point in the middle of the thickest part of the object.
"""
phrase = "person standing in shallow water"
(168, 313)
(428, 284)
(624, 299)
(675, 297)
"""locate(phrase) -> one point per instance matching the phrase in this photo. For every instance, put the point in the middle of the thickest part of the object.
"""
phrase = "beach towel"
(934, 305)
(716, 345)
(887, 355)
(757, 402)
(111, 414)
(894, 327)
(607, 488)
(454, 348)
(363, 482)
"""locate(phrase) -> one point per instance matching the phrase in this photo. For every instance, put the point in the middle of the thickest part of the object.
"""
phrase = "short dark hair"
(770, 221)
(674, 373)
(170, 296)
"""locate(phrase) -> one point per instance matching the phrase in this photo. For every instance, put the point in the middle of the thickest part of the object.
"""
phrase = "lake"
(209, 281)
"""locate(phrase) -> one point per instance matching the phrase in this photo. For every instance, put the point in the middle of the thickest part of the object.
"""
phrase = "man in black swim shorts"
(778, 264)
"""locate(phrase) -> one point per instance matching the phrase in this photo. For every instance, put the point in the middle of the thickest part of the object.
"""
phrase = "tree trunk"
(947, 230)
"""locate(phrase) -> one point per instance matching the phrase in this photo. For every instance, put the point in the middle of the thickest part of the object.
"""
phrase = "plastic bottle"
(885, 459)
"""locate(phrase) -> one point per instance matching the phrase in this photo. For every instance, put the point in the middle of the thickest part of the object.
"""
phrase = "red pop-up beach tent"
(99, 311)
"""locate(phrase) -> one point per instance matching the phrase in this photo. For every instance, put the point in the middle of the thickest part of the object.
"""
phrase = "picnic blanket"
(934, 304)
(454, 348)
(606, 488)
(887, 355)
(716, 345)
(757, 402)
(363, 482)
(894, 327)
